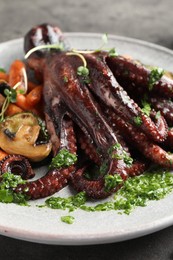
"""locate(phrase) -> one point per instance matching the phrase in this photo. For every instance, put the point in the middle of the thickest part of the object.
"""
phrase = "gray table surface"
(149, 20)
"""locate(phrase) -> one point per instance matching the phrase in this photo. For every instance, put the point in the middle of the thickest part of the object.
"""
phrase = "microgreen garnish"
(59, 46)
(155, 75)
(112, 53)
(11, 96)
(79, 55)
(111, 181)
(82, 71)
(104, 40)
(25, 81)
(62, 159)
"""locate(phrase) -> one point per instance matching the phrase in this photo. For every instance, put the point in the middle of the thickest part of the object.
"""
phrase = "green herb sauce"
(111, 181)
(68, 219)
(8, 183)
(71, 203)
(155, 75)
(120, 155)
(62, 159)
(136, 191)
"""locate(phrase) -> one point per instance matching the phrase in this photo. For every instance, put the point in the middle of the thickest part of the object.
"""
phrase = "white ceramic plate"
(43, 225)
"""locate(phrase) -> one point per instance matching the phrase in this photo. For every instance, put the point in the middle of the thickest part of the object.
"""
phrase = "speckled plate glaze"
(43, 225)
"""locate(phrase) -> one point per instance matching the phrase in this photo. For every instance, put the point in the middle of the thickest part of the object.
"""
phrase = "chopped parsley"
(137, 120)
(135, 192)
(68, 219)
(7, 185)
(104, 167)
(111, 181)
(146, 107)
(71, 203)
(63, 158)
(120, 155)
(154, 76)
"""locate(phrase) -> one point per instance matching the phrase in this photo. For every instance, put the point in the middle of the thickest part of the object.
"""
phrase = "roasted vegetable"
(19, 135)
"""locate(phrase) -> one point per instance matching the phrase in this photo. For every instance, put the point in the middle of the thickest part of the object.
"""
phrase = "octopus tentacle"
(169, 140)
(55, 179)
(17, 164)
(72, 92)
(138, 139)
(96, 188)
(89, 147)
(105, 86)
(165, 107)
(128, 71)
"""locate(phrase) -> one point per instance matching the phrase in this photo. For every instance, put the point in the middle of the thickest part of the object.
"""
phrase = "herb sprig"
(11, 96)
(59, 46)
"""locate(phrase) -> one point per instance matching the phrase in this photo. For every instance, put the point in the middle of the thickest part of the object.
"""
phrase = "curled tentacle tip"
(17, 164)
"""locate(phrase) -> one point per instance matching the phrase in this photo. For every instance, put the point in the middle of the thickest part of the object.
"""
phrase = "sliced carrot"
(2, 155)
(3, 76)
(21, 102)
(2, 99)
(31, 85)
(12, 110)
(34, 96)
(17, 73)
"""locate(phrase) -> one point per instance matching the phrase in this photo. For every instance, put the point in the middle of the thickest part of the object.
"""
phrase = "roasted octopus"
(94, 115)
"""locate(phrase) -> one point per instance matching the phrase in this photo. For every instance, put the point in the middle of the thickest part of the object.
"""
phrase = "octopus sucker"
(93, 103)
(18, 165)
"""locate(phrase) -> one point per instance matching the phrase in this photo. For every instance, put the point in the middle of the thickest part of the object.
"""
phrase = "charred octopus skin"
(101, 111)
